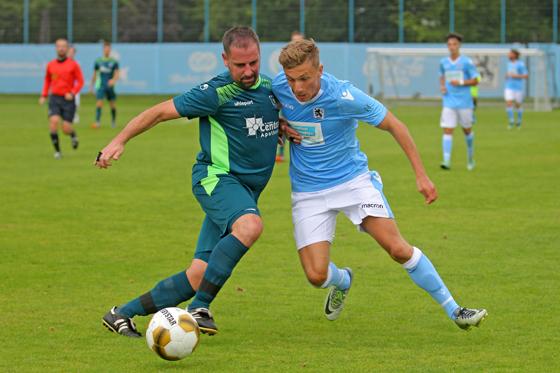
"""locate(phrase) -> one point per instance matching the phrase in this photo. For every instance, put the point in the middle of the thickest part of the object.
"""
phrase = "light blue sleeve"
(357, 105)
(472, 72)
(441, 68)
(522, 69)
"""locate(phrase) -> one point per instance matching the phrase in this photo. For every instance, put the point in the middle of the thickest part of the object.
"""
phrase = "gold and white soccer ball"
(173, 333)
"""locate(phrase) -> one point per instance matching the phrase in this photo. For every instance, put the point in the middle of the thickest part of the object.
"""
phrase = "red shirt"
(63, 77)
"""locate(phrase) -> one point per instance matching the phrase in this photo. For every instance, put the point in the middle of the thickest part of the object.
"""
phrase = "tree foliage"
(325, 20)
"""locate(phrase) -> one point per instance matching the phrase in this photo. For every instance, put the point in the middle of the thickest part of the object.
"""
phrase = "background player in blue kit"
(105, 76)
(457, 74)
(329, 174)
(513, 92)
(238, 135)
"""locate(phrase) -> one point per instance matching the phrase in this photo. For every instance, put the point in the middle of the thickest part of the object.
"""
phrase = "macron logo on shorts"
(372, 206)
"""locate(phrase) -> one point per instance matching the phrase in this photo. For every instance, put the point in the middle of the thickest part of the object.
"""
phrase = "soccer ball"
(172, 333)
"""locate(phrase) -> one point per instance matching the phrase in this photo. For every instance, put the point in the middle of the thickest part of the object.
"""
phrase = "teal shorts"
(106, 92)
(229, 200)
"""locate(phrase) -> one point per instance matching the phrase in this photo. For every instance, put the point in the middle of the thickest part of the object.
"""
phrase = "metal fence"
(480, 21)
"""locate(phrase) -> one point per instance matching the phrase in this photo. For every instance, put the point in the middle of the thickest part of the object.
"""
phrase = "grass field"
(75, 240)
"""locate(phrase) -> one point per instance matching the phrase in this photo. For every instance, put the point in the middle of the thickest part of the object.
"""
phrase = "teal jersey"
(105, 67)
(238, 130)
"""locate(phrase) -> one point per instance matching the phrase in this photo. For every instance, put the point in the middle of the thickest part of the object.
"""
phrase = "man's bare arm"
(400, 132)
(141, 123)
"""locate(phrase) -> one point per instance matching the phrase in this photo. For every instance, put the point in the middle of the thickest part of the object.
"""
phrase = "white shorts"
(511, 95)
(450, 117)
(314, 213)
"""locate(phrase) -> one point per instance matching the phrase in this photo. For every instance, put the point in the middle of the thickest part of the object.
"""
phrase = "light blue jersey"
(515, 67)
(457, 97)
(329, 153)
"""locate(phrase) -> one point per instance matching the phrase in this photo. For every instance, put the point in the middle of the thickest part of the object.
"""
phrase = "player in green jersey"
(238, 126)
(105, 76)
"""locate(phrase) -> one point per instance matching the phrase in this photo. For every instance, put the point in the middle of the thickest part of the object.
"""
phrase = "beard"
(248, 81)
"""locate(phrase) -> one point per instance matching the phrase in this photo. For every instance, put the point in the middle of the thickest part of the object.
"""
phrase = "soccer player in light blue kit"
(329, 174)
(513, 93)
(457, 74)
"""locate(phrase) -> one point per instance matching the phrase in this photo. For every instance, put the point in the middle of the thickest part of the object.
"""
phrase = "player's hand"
(111, 152)
(455, 83)
(427, 188)
(442, 89)
(111, 82)
(289, 132)
(41, 100)
(68, 96)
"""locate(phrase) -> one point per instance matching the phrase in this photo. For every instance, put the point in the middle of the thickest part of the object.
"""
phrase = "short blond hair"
(298, 52)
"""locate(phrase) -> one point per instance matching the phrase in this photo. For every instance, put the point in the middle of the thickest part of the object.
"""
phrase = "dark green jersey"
(105, 67)
(238, 130)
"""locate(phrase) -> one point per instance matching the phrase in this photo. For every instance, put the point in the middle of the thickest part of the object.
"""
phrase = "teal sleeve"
(200, 101)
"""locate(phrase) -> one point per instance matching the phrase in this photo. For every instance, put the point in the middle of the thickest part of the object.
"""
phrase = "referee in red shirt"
(63, 80)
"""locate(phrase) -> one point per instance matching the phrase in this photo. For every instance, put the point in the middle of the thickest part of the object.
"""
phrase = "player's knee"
(195, 272)
(248, 228)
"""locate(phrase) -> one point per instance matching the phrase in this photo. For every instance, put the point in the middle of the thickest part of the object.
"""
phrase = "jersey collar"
(453, 62)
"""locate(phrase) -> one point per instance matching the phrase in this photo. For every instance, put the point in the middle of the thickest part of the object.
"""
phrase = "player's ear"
(225, 59)
(321, 68)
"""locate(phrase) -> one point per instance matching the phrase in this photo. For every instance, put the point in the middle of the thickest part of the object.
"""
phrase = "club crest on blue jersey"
(318, 113)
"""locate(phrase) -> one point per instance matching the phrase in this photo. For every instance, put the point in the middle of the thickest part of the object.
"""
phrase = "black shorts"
(62, 107)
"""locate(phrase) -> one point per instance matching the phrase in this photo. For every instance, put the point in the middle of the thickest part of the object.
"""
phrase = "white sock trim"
(414, 259)
(329, 278)
(447, 301)
(447, 136)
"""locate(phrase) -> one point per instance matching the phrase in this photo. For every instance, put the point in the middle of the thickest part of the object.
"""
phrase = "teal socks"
(167, 293)
(225, 256)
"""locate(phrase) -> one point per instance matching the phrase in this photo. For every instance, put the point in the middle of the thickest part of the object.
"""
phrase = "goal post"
(413, 72)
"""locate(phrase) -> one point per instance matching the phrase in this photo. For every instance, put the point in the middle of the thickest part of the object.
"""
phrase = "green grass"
(75, 240)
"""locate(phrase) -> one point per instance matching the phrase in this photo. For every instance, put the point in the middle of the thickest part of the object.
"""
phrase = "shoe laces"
(337, 297)
(466, 313)
(201, 312)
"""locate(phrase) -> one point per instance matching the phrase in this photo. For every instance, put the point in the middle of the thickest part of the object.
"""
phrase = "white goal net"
(413, 73)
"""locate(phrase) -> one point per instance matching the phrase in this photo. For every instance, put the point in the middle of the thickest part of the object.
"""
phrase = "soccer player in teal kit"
(238, 135)
(105, 76)
(329, 175)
